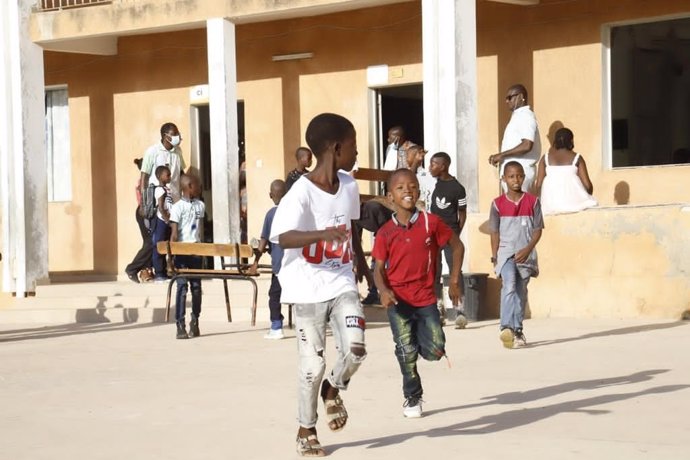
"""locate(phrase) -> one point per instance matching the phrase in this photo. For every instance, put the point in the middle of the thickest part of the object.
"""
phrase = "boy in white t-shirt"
(185, 222)
(161, 229)
(313, 226)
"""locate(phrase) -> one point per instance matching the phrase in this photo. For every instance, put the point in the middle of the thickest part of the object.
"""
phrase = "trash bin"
(475, 294)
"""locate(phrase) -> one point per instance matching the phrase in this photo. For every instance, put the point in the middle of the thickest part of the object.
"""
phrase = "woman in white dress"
(562, 178)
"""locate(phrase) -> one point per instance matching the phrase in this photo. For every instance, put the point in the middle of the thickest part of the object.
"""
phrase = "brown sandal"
(335, 410)
(310, 447)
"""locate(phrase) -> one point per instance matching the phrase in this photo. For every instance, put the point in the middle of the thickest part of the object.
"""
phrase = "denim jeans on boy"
(160, 232)
(513, 296)
(194, 283)
(346, 317)
(274, 292)
(416, 331)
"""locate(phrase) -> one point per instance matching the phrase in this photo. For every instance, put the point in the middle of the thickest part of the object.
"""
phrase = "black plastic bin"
(475, 294)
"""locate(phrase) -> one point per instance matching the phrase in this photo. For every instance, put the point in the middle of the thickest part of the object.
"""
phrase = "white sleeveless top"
(562, 190)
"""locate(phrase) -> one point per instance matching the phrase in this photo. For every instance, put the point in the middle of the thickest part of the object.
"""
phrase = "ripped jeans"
(416, 331)
(346, 317)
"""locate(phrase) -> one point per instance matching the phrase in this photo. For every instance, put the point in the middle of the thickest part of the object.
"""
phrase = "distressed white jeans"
(346, 318)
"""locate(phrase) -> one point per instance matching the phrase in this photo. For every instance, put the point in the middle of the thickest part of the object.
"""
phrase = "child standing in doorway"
(516, 224)
(405, 251)
(277, 191)
(313, 224)
(185, 225)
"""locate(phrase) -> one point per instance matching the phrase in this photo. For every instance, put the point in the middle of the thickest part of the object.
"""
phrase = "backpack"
(148, 202)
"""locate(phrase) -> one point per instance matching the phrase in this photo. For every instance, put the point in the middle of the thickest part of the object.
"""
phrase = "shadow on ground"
(620, 331)
(524, 416)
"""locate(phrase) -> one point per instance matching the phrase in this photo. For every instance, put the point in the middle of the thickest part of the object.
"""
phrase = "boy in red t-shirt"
(405, 252)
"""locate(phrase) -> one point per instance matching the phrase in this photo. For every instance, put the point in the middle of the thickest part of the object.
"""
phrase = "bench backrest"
(372, 175)
(205, 249)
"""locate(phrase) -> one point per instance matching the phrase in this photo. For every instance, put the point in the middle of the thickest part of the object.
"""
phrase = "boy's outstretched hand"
(387, 298)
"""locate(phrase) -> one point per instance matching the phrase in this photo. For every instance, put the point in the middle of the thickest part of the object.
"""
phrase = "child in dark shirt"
(303, 156)
(449, 202)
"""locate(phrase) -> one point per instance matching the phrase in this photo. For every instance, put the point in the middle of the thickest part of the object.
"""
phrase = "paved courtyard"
(595, 389)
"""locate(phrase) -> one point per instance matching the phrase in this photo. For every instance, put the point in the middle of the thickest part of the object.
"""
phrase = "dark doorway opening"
(400, 106)
(201, 163)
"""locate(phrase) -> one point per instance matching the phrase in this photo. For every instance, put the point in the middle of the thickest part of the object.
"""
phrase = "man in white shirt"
(521, 137)
(166, 152)
(397, 146)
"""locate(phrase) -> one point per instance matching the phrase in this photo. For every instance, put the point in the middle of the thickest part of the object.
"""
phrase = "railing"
(51, 5)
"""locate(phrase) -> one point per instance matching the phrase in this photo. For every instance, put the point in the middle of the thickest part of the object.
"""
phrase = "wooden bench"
(233, 269)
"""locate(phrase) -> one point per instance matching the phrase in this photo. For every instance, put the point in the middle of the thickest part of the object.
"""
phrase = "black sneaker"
(520, 340)
(133, 277)
(371, 299)
(194, 328)
(181, 331)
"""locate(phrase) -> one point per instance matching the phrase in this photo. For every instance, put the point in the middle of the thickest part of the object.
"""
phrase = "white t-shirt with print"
(188, 214)
(320, 271)
(167, 204)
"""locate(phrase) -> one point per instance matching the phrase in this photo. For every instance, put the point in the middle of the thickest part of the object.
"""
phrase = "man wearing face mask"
(164, 153)
(521, 137)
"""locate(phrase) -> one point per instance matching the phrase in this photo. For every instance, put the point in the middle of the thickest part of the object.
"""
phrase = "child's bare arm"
(174, 235)
(360, 262)
(385, 292)
(524, 253)
(462, 217)
(458, 252)
(299, 239)
(254, 268)
(495, 239)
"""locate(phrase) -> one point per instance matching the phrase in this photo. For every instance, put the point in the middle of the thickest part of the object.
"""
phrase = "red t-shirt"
(411, 255)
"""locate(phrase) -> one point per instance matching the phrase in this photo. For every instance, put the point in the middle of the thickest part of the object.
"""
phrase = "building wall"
(117, 104)
(617, 261)
(607, 262)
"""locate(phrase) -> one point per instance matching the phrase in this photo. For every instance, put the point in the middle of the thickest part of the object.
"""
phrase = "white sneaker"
(412, 407)
(275, 334)
(460, 321)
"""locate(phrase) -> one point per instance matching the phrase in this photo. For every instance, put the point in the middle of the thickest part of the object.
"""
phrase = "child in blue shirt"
(276, 193)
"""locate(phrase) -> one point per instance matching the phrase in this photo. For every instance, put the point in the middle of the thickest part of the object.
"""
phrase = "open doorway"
(201, 165)
(399, 106)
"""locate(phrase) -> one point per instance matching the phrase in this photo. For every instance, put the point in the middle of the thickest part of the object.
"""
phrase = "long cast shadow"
(620, 331)
(62, 330)
(521, 397)
(512, 419)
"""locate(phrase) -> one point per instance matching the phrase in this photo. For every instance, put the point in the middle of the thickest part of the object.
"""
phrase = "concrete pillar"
(449, 50)
(222, 86)
(23, 177)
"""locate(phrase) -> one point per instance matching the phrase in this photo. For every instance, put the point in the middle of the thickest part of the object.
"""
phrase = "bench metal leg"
(256, 291)
(227, 300)
(290, 315)
(167, 300)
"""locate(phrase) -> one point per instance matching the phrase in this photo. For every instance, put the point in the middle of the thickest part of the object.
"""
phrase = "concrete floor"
(595, 389)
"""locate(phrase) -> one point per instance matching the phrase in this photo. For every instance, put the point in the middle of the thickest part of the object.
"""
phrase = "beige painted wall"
(117, 104)
(610, 262)
(264, 142)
